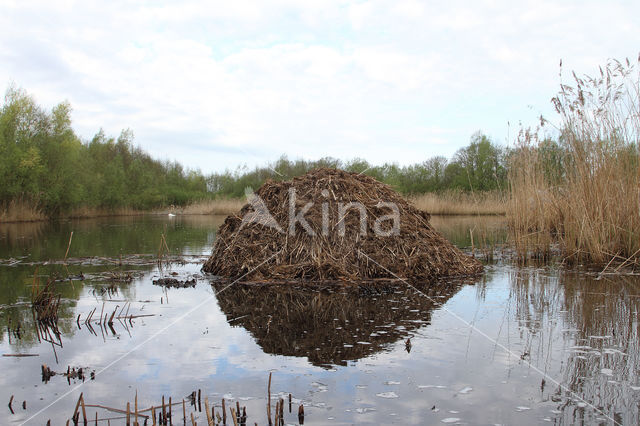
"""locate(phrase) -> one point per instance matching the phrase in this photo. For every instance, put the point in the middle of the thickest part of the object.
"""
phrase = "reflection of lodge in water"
(597, 326)
(331, 324)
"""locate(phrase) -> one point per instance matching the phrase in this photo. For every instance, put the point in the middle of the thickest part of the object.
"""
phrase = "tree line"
(42, 160)
(480, 166)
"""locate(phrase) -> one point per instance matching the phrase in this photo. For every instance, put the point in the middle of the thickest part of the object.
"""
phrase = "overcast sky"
(215, 85)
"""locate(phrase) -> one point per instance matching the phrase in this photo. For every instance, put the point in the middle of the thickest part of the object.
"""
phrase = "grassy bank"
(582, 194)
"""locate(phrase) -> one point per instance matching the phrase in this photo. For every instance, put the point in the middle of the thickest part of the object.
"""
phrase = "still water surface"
(520, 345)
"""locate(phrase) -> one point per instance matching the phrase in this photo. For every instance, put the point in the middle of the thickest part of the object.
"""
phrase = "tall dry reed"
(461, 203)
(582, 192)
(219, 206)
(21, 210)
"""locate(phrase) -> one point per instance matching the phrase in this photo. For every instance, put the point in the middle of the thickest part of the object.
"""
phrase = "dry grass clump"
(21, 210)
(461, 203)
(45, 301)
(583, 192)
(219, 206)
(340, 246)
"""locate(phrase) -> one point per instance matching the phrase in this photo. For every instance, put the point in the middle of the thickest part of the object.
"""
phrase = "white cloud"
(244, 82)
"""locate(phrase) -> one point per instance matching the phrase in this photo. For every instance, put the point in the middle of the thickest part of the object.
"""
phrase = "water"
(520, 345)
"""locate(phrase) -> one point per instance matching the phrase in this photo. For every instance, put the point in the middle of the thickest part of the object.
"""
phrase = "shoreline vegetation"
(575, 194)
(48, 171)
(580, 195)
(445, 204)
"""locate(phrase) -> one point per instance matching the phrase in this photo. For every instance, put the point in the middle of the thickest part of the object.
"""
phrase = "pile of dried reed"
(350, 227)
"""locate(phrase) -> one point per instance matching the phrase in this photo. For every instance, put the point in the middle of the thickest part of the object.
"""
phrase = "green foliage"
(43, 160)
(477, 167)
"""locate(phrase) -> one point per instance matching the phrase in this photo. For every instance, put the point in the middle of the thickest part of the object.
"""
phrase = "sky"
(218, 85)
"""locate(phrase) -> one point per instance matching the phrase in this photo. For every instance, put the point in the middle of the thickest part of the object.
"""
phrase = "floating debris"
(72, 373)
(175, 283)
(121, 277)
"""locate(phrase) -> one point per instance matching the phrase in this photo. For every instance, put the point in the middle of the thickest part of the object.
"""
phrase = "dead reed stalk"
(583, 192)
(45, 301)
(21, 210)
(461, 203)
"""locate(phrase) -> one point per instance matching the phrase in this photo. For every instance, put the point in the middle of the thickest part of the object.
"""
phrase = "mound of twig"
(331, 224)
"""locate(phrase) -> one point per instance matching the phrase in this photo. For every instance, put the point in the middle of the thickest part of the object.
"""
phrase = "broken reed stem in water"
(238, 413)
(224, 413)
(208, 413)
(68, 247)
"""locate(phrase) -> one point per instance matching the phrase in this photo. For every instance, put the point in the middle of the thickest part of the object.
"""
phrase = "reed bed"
(21, 210)
(461, 203)
(446, 203)
(219, 206)
(582, 193)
